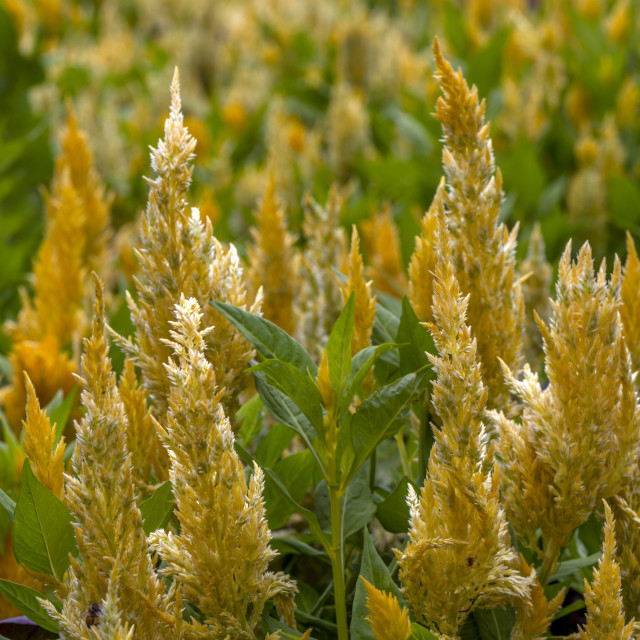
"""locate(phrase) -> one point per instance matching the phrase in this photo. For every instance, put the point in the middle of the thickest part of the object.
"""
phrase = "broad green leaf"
(286, 411)
(623, 200)
(251, 415)
(271, 477)
(7, 504)
(25, 599)
(455, 29)
(296, 473)
(415, 341)
(273, 444)
(297, 386)
(374, 570)
(269, 339)
(156, 510)
(358, 507)
(293, 545)
(496, 623)
(485, 68)
(339, 349)
(385, 325)
(418, 632)
(43, 536)
(378, 416)
(393, 511)
(59, 415)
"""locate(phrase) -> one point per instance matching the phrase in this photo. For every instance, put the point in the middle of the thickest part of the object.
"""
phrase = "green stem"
(550, 561)
(337, 564)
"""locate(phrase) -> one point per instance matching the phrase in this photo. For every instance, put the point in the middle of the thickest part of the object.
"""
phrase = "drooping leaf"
(156, 510)
(268, 338)
(251, 415)
(414, 340)
(25, 599)
(7, 504)
(273, 444)
(43, 536)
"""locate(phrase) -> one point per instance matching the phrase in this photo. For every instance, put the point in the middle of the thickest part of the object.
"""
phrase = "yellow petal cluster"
(388, 621)
(221, 556)
(630, 309)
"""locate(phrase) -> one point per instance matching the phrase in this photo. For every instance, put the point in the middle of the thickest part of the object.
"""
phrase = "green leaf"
(358, 507)
(286, 411)
(273, 444)
(59, 415)
(268, 339)
(393, 511)
(296, 386)
(251, 414)
(623, 196)
(156, 510)
(43, 536)
(523, 174)
(496, 623)
(374, 570)
(296, 473)
(485, 68)
(339, 349)
(25, 599)
(418, 632)
(385, 325)
(455, 29)
(415, 341)
(378, 416)
(8, 504)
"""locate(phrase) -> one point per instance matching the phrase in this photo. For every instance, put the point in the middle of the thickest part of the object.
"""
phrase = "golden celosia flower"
(46, 461)
(483, 250)
(577, 442)
(365, 303)
(605, 611)
(142, 439)
(179, 253)
(273, 262)
(535, 274)
(49, 369)
(533, 618)
(423, 262)
(115, 564)
(459, 556)
(320, 298)
(222, 553)
(388, 621)
(630, 309)
(382, 249)
(626, 508)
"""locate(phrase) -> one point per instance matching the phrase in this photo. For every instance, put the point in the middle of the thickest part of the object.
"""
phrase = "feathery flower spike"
(388, 621)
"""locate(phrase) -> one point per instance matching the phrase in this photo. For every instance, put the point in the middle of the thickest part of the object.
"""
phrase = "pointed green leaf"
(251, 416)
(393, 511)
(273, 444)
(418, 632)
(378, 416)
(496, 623)
(25, 599)
(43, 536)
(339, 349)
(385, 325)
(415, 341)
(268, 339)
(297, 386)
(566, 568)
(156, 510)
(375, 571)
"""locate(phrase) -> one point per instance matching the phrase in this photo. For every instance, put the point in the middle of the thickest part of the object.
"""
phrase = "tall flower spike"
(483, 250)
(222, 553)
(115, 567)
(388, 621)
(459, 556)
(320, 298)
(423, 262)
(273, 261)
(605, 611)
(39, 434)
(578, 441)
(179, 253)
(365, 303)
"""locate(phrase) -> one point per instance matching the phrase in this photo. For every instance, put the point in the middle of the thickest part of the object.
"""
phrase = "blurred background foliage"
(322, 92)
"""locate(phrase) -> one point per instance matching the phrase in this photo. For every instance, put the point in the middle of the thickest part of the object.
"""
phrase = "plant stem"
(337, 564)
(550, 560)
